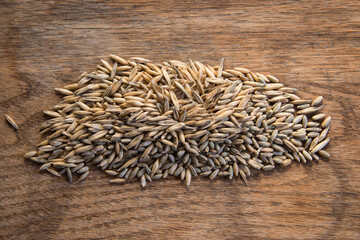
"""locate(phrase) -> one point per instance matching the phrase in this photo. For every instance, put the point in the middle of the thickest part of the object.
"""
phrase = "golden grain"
(11, 122)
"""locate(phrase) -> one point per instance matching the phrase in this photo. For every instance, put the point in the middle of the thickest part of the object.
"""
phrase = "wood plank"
(311, 45)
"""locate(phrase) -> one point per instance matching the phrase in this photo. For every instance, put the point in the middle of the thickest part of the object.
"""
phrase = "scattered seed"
(320, 145)
(117, 180)
(188, 177)
(326, 122)
(30, 154)
(317, 101)
(214, 174)
(83, 176)
(268, 167)
(53, 172)
(286, 162)
(11, 122)
(318, 117)
(324, 153)
(45, 166)
(143, 181)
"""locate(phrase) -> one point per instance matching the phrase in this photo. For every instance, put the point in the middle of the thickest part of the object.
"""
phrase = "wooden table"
(311, 45)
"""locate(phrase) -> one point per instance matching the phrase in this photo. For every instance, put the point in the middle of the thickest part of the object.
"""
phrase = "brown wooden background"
(311, 45)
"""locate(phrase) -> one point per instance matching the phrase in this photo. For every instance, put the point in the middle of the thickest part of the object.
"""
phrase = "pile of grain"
(138, 119)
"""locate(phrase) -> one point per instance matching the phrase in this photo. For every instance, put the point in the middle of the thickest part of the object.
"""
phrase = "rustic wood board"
(311, 45)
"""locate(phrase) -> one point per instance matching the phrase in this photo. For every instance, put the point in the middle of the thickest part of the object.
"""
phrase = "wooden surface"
(311, 45)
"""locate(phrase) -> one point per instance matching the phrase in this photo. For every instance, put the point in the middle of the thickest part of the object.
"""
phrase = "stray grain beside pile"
(11, 122)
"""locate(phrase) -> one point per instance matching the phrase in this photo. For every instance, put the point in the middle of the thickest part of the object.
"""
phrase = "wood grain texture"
(311, 45)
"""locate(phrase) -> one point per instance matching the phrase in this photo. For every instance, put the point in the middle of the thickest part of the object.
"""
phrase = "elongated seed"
(117, 180)
(143, 181)
(318, 117)
(68, 175)
(214, 174)
(326, 122)
(317, 101)
(286, 162)
(268, 167)
(83, 176)
(45, 166)
(324, 153)
(320, 146)
(53, 172)
(30, 154)
(188, 177)
(11, 122)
